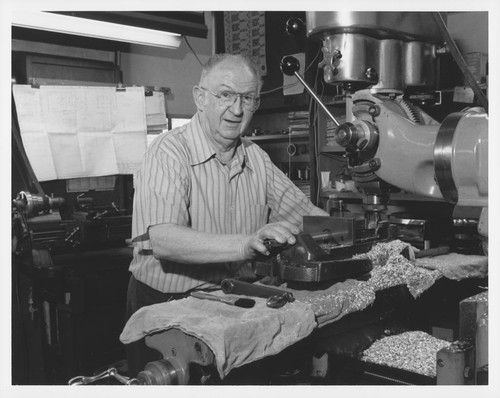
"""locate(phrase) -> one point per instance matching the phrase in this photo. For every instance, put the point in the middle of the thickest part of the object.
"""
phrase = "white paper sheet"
(155, 110)
(291, 84)
(77, 131)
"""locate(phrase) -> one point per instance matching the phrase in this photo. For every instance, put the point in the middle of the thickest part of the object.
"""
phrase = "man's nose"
(237, 107)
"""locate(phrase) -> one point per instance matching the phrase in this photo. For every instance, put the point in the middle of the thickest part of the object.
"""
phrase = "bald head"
(234, 60)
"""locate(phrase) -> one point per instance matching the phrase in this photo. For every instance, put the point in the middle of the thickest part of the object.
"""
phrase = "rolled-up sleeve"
(161, 188)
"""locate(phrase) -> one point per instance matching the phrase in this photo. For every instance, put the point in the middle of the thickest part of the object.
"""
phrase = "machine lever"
(289, 66)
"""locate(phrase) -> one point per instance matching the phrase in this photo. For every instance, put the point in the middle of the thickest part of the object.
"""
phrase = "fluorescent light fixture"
(92, 28)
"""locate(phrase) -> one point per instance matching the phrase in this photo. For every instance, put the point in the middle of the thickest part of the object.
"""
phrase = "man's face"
(228, 122)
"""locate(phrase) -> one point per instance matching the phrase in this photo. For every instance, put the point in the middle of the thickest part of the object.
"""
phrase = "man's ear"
(199, 98)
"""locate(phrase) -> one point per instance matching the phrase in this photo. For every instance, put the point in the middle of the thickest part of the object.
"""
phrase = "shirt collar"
(201, 148)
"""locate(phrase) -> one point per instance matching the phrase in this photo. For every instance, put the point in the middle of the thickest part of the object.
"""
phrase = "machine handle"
(436, 251)
(110, 373)
(295, 27)
(274, 247)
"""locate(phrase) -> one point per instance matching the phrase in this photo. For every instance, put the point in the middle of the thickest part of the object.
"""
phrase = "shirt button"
(231, 209)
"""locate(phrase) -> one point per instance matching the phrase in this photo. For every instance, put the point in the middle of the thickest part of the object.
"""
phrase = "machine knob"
(344, 135)
(361, 136)
(371, 74)
(295, 27)
(289, 65)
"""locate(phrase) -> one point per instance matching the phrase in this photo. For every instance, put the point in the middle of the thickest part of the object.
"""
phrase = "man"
(205, 199)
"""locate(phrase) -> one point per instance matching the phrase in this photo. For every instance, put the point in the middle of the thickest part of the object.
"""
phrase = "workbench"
(320, 333)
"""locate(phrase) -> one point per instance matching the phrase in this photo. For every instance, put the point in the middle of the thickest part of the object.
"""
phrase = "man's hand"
(283, 232)
(184, 245)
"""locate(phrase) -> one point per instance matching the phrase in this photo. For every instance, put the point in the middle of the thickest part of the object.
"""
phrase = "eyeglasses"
(228, 98)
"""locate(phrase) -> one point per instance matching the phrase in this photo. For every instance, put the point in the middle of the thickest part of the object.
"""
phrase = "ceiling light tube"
(93, 28)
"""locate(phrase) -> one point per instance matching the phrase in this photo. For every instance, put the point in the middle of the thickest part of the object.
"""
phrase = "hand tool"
(276, 298)
(236, 301)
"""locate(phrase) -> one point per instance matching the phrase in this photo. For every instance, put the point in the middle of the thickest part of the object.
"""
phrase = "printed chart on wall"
(245, 33)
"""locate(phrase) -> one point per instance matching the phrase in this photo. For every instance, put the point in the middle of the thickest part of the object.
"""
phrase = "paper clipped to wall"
(78, 131)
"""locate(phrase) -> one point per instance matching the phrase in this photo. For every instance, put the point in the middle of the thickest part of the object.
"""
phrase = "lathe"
(69, 275)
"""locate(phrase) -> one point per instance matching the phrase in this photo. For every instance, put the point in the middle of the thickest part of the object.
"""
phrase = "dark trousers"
(140, 295)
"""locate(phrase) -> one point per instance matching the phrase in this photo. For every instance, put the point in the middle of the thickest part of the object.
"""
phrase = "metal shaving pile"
(392, 273)
(353, 296)
(381, 252)
(419, 280)
(390, 268)
(412, 351)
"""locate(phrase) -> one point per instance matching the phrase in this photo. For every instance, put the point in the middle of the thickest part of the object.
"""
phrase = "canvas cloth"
(237, 336)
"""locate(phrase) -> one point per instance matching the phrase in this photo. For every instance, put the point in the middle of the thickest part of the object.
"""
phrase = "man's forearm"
(182, 244)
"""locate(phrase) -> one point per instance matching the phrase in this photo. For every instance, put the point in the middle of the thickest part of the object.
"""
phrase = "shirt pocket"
(258, 216)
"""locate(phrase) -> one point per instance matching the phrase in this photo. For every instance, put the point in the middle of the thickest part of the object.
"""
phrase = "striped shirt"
(181, 182)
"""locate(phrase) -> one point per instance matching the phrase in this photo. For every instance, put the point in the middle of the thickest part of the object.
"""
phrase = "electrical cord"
(291, 148)
(316, 134)
(278, 88)
(192, 50)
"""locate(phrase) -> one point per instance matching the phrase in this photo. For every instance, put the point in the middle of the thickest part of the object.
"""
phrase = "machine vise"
(325, 250)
